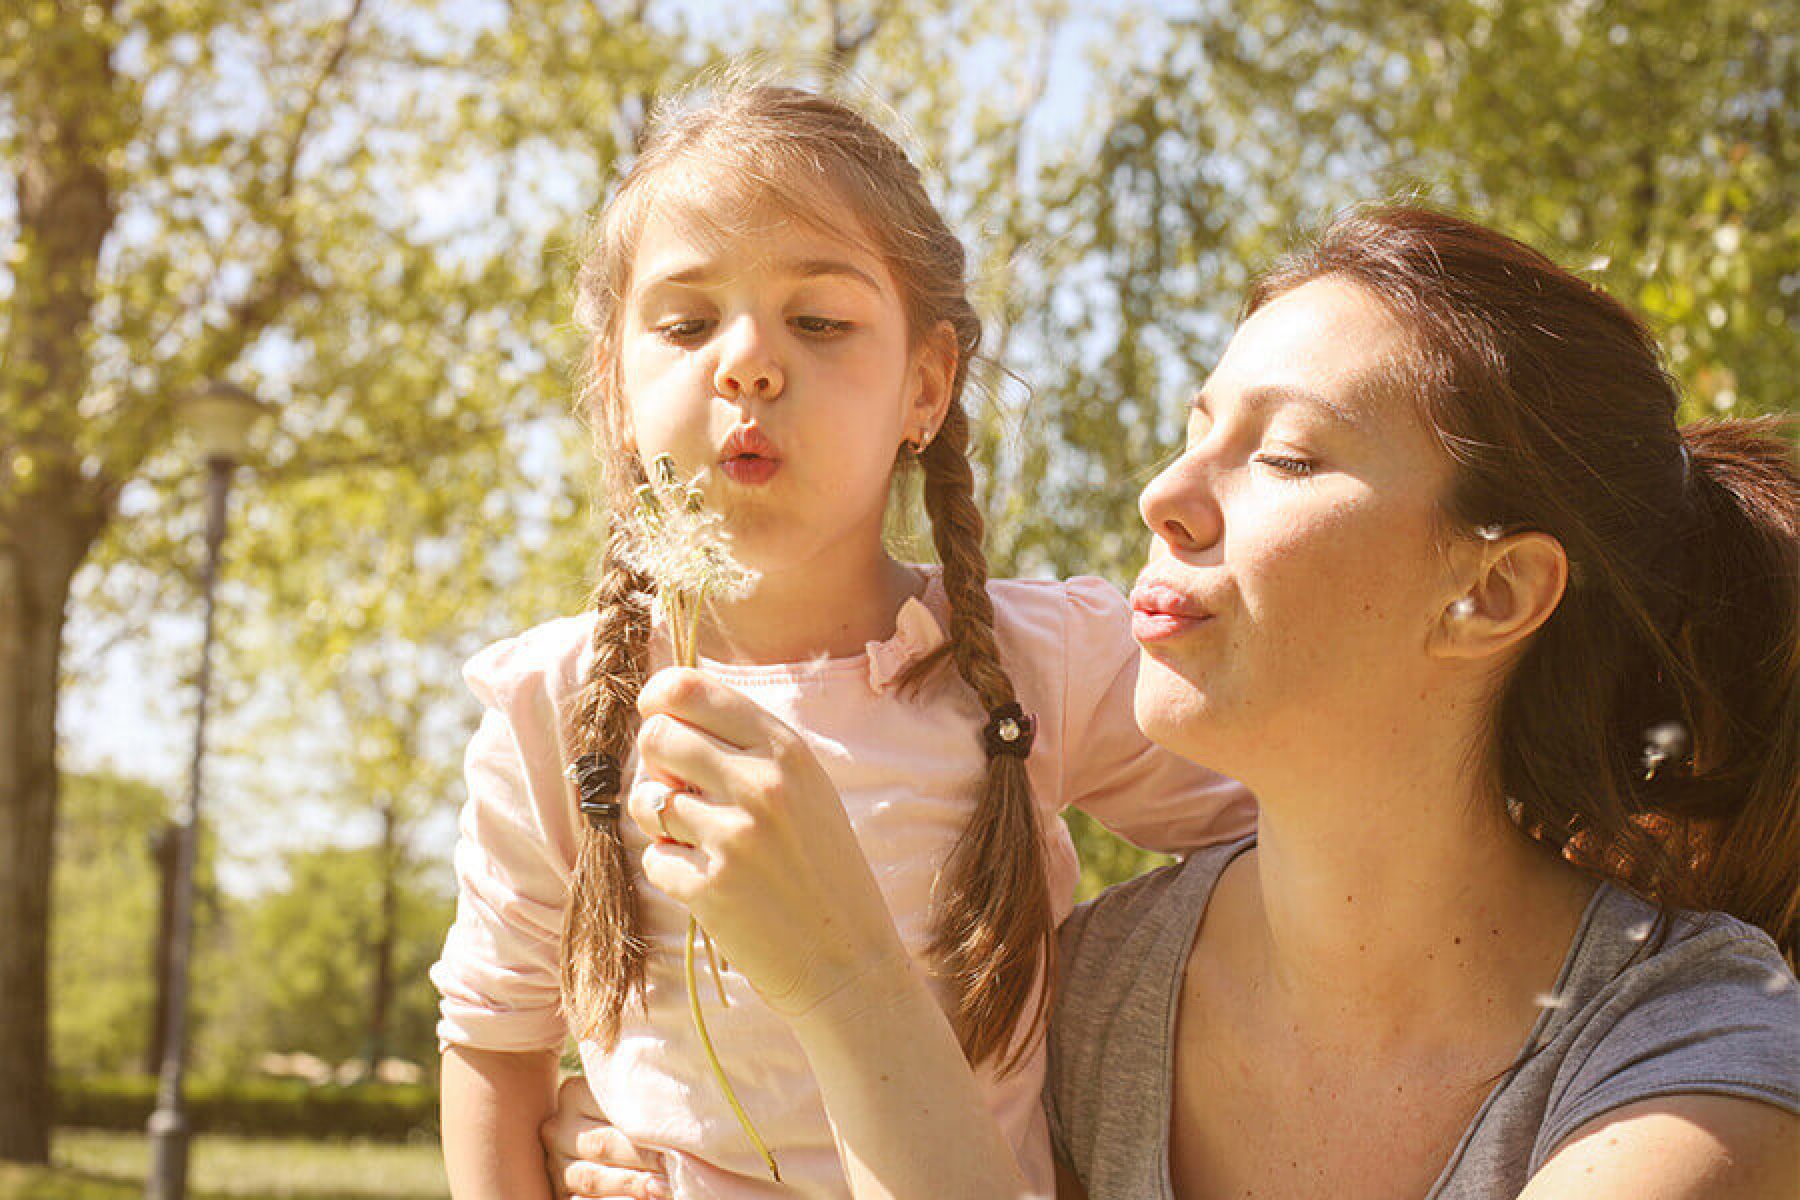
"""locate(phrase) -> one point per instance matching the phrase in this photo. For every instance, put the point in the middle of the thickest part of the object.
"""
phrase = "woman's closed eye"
(1287, 464)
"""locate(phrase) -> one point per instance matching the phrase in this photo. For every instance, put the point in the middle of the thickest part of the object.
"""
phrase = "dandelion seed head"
(680, 543)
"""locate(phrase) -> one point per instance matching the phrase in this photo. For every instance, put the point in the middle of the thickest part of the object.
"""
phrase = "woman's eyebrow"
(1266, 396)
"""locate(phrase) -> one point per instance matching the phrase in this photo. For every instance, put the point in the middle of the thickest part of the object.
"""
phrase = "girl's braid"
(604, 953)
(993, 931)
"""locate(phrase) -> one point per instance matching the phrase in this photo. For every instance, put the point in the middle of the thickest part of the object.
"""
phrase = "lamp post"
(220, 418)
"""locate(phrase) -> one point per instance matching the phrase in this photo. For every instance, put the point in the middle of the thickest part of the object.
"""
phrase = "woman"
(1500, 650)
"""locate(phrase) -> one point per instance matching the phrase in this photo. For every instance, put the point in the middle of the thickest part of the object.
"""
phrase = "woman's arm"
(492, 1103)
(1677, 1148)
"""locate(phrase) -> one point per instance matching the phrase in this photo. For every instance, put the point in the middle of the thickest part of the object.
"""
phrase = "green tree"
(281, 195)
(305, 959)
(104, 940)
(107, 898)
(1649, 142)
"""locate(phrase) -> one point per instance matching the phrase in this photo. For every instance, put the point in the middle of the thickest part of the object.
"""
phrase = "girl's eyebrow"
(702, 274)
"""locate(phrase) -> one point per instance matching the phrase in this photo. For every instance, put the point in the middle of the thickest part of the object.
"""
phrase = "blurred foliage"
(305, 965)
(1650, 144)
(366, 214)
(288, 1108)
(106, 897)
(1106, 859)
(289, 969)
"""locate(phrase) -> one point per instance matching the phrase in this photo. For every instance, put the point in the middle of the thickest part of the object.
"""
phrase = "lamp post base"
(168, 1131)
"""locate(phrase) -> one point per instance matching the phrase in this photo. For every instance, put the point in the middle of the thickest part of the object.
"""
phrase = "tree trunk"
(38, 556)
(379, 1002)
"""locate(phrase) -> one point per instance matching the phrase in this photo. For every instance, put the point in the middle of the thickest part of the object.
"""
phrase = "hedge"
(260, 1107)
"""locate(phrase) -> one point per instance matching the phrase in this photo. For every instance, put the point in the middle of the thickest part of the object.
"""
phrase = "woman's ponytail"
(1740, 637)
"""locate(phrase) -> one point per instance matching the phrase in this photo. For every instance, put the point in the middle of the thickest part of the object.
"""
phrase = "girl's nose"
(748, 366)
(1179, 507)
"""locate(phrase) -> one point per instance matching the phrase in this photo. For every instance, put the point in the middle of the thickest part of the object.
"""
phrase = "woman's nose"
(748, 365)
(1179, 507)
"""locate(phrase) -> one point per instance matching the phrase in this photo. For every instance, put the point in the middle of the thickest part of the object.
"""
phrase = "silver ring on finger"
(660, 806)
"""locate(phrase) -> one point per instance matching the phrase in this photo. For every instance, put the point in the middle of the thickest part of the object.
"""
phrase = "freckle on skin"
(1458, 941)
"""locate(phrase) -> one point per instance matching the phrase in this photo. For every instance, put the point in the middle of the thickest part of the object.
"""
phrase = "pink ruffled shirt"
(908, 769)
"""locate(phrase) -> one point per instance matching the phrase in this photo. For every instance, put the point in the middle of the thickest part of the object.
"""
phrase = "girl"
(1509, 659)
(776, 306)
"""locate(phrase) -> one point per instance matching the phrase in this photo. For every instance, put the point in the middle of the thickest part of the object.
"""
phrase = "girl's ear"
(1517, 583)
(931, 375)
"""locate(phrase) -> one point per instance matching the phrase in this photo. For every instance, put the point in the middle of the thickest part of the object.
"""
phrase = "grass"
(89, 1165)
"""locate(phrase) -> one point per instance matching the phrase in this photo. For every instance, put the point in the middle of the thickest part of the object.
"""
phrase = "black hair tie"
(597, 782)
(1010, 730)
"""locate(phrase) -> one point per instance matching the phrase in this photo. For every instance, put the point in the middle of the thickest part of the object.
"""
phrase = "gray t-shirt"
(1703, 1003)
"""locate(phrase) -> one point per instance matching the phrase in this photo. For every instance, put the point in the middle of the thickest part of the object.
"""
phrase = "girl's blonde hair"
(744, 147)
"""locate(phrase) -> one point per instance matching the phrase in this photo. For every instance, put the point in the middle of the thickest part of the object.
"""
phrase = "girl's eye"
(682, 331)
(1300, 468)
(821, 326)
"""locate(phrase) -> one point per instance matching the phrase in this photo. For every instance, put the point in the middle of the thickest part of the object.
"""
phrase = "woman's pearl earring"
(1463, 609)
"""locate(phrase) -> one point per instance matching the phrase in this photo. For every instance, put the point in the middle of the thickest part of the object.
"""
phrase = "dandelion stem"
(684, 549)
(712, 1056)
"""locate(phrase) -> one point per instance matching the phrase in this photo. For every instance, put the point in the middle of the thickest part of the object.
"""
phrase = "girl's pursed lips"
(748, 442)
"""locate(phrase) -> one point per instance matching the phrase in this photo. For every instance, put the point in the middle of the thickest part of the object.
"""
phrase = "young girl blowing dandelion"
(778, 311)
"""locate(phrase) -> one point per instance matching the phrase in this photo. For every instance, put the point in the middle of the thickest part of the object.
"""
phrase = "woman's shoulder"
(542, 661)
(1629, 950)
(1657, 1003)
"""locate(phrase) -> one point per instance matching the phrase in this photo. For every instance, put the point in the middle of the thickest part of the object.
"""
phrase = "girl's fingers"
(607, 1146)
(591, 1179)
(668, 814)
(677, 871)
(698, 699)
(678, 752)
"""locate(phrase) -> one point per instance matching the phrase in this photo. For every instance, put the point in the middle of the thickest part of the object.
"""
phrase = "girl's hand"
(590, 1160)
(752, 838)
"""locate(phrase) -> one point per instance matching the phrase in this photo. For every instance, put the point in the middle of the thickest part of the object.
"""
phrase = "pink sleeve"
(499, 973)
(1114, 773)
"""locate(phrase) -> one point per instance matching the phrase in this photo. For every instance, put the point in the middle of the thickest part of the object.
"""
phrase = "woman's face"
(1297, 569)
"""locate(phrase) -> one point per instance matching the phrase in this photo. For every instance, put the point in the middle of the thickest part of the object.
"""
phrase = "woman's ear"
(934, 363)
(1518, 582)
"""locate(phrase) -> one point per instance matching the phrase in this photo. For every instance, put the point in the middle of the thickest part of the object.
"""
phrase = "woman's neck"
(810, 610)
(1395, 907)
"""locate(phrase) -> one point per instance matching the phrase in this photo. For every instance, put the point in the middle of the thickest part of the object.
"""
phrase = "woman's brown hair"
(741, 150)
(1649, 730)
